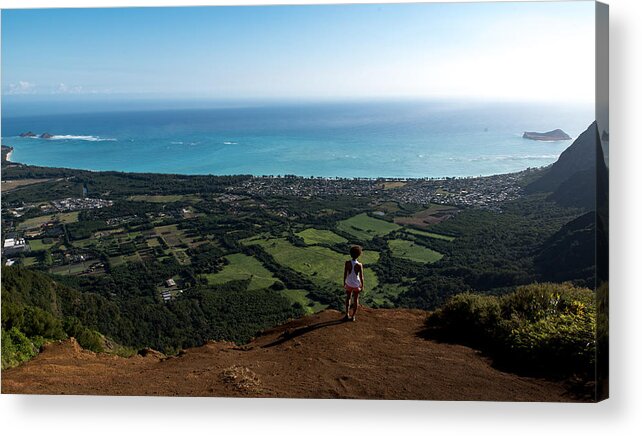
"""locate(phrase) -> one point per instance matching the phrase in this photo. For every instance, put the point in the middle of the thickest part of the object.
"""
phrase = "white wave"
(79, 138)
(533, 157)
(525, 157)
(230, 143)
(177, 142)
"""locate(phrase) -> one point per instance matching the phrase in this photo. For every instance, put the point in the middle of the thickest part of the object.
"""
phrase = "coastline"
(290, 176)
(6, 153)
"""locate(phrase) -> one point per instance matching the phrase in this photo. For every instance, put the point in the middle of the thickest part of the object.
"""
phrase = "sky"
(540, 51)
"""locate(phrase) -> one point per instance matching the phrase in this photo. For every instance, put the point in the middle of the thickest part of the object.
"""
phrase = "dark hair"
(355, 251)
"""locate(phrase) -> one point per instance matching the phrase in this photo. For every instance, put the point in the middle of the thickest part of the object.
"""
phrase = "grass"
(320, 264)
(301, 296)
(316, 236)
(364, 227)
(153, 242)
(412, 251)
(241, 267)
(8, 185)
(39, 245)
(33, 223)
(430, 234)
(119, 260)
(29, 261)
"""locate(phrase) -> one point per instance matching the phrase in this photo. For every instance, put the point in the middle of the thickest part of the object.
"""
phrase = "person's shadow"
(290, 334)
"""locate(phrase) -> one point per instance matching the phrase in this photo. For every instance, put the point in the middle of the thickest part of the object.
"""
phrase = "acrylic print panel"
(390, 201)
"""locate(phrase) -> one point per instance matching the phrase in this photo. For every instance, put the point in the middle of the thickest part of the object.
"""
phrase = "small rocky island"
(28, 134)
(46, 135)
(553, 135)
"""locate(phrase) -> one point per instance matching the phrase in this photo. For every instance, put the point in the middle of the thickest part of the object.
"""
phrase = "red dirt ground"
(381, 356)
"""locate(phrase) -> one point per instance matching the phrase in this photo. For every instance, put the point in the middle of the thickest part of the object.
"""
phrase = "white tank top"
(353, 279)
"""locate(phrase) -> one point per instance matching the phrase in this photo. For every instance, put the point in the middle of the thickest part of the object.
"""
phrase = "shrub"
(86, 338)
(16, 348)
(548, 328)
(467, 317)
(37, 322)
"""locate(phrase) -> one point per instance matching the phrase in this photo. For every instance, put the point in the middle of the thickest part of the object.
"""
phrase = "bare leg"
(348, 298)
(356, 305)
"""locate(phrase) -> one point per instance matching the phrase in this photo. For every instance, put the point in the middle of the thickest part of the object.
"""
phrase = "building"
(13, 246)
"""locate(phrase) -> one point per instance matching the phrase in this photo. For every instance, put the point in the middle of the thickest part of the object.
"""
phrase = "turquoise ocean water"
(367, 139)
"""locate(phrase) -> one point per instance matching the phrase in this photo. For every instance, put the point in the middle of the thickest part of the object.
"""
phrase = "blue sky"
(515, 51)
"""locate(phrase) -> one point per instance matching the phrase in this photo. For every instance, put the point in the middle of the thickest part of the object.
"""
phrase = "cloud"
(67, 89)
(22, 87)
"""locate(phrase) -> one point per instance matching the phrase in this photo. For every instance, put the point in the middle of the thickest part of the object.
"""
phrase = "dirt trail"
(379, 356)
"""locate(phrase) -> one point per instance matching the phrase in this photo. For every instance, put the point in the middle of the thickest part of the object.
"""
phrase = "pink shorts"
(350, 289)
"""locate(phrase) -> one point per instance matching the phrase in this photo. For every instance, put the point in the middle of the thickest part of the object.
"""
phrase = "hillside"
(383, 355)
(577, 157)
(570, 253)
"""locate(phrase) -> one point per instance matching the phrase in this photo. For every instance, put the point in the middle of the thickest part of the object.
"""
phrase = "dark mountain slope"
(570, 253)
(580, 156)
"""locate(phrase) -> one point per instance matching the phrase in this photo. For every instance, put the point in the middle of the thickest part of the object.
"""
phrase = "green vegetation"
(243, 267)
(31, 316)
(320, 264)
(429, 234)
(43, 309)
(316, 236)
(300, 296)
(163, 198)
(547, 328)
(17, 348)
(384, 295)
(248, 256)
(33, 223)
(41, 244)
(364, 227)
(492, 254)
(413, 251)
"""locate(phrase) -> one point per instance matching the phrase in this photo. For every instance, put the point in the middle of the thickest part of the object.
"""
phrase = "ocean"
(409, 139)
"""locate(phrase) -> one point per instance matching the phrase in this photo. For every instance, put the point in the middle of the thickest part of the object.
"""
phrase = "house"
(14, 245)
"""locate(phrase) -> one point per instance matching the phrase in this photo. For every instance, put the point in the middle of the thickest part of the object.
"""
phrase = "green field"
(364, 228)
(29, 261)
(430, 234)
(242, 267)
(319, 264)
(119, 260)
(412, 251)
(301, 296)
(316, 236)
(39, 245)
(33, 223)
